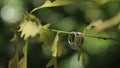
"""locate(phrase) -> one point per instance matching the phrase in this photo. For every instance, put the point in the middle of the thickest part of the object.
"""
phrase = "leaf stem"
(53, 30)
(104, 38)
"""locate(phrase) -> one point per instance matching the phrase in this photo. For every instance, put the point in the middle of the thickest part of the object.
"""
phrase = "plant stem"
(103, 38)
(66, 32)
(53, 30)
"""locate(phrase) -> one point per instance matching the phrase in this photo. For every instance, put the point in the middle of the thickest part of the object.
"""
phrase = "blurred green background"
(75, 17)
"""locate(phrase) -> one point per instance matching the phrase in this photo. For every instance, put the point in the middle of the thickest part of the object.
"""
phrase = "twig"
(104, 38)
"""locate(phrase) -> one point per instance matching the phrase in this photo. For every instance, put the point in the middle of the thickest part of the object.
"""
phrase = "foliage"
(31, 26)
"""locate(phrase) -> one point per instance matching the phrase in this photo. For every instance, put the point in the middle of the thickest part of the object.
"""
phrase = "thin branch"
(104, 38)
(53, 30)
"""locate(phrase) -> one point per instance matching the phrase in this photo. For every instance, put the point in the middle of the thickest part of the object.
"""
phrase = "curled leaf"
(30, 27)
(48, 3)
(23, 62)
(94, 24)
(90, 28)
(54, 45)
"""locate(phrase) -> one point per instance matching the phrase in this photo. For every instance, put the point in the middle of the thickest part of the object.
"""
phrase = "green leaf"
(23, 62)
(30, 26)
(54, 45)
(52, 62)
(14, 60)
(48, 3)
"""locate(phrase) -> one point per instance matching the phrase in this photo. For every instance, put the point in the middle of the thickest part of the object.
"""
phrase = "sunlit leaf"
(94, 24)
(91, 26)
(23, 62)
(30, 26)
(14, 60)
(54, 45)
(48, 3)
(52, 62)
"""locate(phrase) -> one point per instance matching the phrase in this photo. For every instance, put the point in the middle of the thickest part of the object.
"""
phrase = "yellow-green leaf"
(46, 36)
(54, 45)
(61, 47)
(52, 62)
(90, 27)
(79, 53)
(30, 26)
(48, 3)
(83, 59)
(94, 24)
(23, 62)
(46, 26)
(14, 60)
